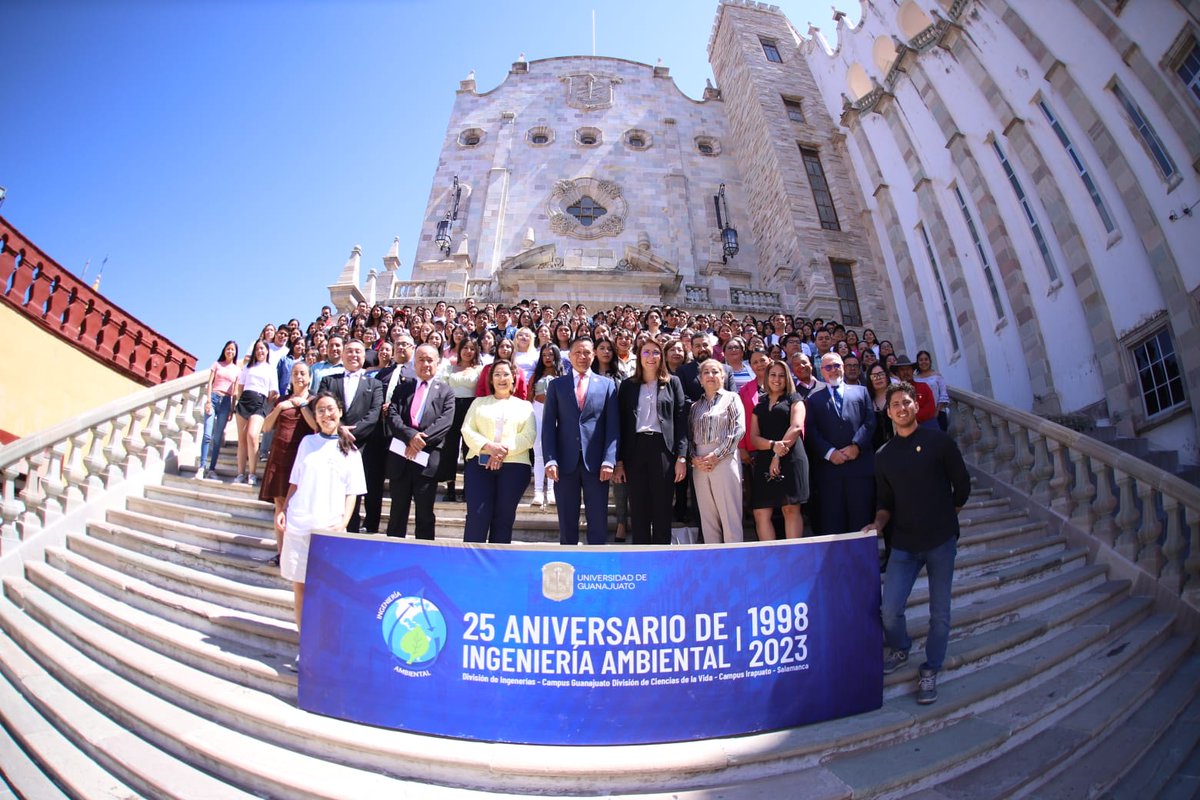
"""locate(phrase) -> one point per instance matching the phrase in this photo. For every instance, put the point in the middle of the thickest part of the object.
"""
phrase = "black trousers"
(375, 459)
(409, 486)
(650, 473)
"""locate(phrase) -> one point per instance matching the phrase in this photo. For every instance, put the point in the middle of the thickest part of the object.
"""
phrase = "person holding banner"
(327, 478)
(717, 425)
(499, 431)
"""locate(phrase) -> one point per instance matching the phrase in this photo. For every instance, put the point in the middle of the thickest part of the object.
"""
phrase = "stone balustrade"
(1144, 515)
(484, 290)
(62, 470)
(696, 295)
(754, 300)
(51, 297)
(419, 290)
(929, 36)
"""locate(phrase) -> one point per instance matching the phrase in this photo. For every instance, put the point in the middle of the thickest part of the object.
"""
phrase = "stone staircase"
(144, 658)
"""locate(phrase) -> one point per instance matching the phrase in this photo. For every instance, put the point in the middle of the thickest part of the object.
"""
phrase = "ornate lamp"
(729, 239)
(442, 237)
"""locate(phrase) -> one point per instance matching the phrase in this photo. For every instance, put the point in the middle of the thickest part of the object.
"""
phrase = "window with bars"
(843, 282)
(771, 50)
(1188, 71)
(937, 276)
(993, 290)
(1031, 219)
(820, 189)
(794, 108)
(1154, 146)
(1159, 376)
(1080, 167)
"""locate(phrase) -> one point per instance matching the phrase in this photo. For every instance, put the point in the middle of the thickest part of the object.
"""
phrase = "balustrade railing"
(59, 470)
(415, 290)
(1148, 516)
(38, 288)
(753, 299)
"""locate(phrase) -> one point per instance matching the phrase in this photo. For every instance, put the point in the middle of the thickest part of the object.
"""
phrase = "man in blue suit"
(840, 424)
(580, 426)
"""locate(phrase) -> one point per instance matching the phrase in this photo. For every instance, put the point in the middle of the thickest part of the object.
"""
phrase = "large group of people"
(687, 421)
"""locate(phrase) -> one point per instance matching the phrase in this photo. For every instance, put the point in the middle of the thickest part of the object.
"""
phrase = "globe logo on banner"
(415, 631)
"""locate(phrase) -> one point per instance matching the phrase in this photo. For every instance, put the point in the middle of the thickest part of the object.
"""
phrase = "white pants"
(539, 461)
(719, 499)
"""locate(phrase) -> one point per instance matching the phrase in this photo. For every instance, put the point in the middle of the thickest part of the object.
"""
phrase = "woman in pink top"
(218, 405)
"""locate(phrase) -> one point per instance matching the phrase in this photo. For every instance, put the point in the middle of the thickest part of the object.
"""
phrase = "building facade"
(1009, 184)
(1031, 175)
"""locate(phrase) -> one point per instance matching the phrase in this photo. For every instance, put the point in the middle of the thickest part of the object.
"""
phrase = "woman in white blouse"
(257, 388)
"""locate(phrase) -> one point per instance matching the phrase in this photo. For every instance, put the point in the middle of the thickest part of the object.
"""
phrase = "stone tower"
(810, 230)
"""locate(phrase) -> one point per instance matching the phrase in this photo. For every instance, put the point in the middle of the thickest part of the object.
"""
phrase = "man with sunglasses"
(840, 424)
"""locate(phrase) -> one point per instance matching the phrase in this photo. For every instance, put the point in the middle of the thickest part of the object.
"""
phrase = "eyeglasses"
(831, 367)
(651, 354)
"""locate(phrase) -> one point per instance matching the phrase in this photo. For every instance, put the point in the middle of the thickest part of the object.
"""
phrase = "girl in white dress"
(326, 478)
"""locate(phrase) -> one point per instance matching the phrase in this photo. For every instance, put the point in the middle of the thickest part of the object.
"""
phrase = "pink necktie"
(580, 391)
(418, 398)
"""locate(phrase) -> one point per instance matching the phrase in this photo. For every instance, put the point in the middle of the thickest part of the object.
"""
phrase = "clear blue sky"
(226, 155)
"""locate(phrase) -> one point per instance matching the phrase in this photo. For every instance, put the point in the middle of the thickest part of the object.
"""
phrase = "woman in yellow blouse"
(499, 431)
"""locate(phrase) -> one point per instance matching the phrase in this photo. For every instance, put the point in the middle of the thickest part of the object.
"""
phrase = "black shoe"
(274, 562)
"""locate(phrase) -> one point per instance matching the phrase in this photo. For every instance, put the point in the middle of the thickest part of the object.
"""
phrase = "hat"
(903, 361)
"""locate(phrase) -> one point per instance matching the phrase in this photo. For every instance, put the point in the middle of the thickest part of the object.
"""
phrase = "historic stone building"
(1009, 184)
(1031, 175)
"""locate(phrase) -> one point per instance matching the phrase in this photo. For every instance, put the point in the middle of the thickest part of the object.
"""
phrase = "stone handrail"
(60, 470)
(1144, 514)
(414, 290)
(37, 287)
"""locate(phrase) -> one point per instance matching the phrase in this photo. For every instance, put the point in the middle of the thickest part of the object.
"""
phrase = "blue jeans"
(214, 425)
(902, 570)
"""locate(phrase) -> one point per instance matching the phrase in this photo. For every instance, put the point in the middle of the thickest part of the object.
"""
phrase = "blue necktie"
(837, 399)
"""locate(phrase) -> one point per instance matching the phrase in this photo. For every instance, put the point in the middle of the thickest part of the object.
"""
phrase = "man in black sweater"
(921, 483)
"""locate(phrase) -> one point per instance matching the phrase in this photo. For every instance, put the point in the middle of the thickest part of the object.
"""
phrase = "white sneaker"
(550, 496)
(240, 478)
(294, 664)
(199, 473)
(539, 499)
(252, 480)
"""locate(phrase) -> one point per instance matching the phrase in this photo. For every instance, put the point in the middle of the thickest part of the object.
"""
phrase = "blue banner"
(591, 645)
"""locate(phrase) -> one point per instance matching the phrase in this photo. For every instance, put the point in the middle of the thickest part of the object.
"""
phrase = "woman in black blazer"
(652, 452)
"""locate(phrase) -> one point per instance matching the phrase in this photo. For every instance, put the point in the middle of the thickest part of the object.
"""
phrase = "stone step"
(49, 594)
(982, 573)
(918, 761)
(256, 570)
(210, 539)
(272, 602)
(1063, 758)
(1128, 736)
(273, 633)
(989, 609)
(979, 643)
(172, 741)
(61, 696)
(1171, 767)
(36, 760)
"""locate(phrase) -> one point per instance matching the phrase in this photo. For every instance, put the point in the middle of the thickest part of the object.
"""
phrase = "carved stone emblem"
(590, 91)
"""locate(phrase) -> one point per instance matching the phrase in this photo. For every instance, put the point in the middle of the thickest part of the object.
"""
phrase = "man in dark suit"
(580, 428)
(420, 413)
(689, 372)
(363, 398)
(839, 426)
(376, 455)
